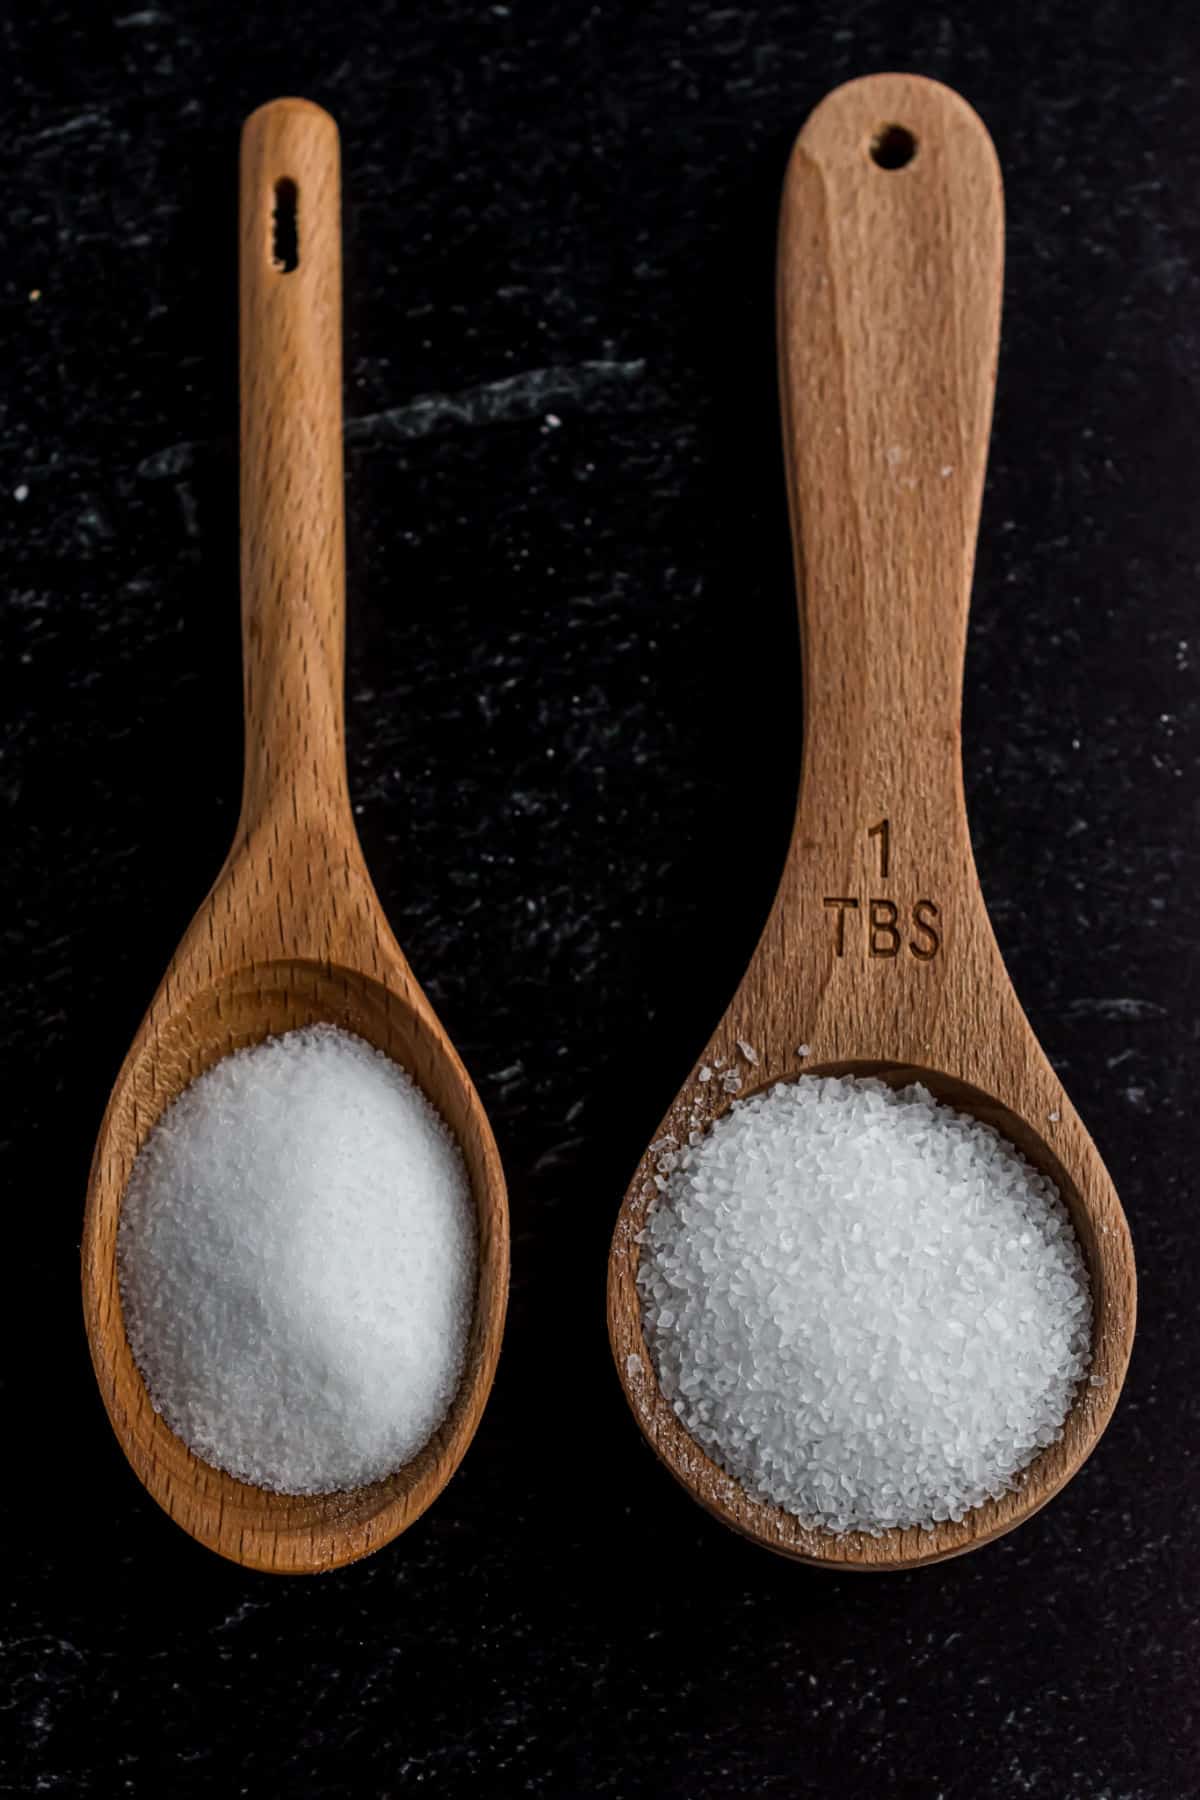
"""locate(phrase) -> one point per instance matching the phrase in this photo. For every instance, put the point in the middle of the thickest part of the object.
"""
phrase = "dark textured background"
(573, 726)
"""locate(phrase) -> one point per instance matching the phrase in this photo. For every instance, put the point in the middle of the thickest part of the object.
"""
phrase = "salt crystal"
(1054, 1117)
(804, 1050)
(296, 1256)
(866, 1307)
(633, 1366)
(705, 1073)
(747, 1050)
(21, 492)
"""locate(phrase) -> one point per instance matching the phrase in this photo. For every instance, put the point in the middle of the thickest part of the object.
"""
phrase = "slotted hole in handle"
(285, 226)
(893, 147)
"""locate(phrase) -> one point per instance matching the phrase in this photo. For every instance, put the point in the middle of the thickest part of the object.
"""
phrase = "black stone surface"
(574, 737)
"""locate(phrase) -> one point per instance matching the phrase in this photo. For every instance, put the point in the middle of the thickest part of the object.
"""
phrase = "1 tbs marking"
(886, 927)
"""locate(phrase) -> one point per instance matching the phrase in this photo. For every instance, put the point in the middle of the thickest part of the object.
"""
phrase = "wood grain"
(878, 955)
(292, 932)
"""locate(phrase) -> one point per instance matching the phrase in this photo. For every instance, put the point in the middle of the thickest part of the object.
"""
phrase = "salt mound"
(865, 1306)
(296, 1258)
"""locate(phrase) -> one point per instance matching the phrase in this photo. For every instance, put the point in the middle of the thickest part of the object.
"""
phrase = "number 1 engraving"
(881, 832)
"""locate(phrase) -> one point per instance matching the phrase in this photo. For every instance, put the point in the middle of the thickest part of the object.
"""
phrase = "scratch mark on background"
(588, 386)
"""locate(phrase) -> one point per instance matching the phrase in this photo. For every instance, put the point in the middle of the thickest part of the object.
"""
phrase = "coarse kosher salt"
(296, 1256)
(865, 1306)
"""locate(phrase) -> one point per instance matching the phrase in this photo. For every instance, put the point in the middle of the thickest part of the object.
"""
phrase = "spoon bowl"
(1103, 1240)
(878, 957)
(260, 1529)
(292, 933)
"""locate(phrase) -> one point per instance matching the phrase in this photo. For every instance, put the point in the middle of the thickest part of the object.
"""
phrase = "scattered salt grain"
(633, 1366)
(866, 1307)
(705, 1073)
(731, 1081)
(296, 1256)
(747, 1050)
(804, 1050)
(21, 492)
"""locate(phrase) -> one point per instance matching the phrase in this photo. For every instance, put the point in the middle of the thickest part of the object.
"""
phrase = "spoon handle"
(891, 253)
(292, 509)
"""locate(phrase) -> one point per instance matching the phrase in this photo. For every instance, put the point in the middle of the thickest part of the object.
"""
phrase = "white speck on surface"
(35, 293)
(866, 1307)
(747, 1050)
(21, 493)
(553, 420)
(1054, 1116)
(705, 1073)
(894, 454)
(945, 470)
(296, 1256)
(731, 1081)
(633, 1366)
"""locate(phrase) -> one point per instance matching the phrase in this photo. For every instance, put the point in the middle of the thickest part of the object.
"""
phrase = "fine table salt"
(296, 1258)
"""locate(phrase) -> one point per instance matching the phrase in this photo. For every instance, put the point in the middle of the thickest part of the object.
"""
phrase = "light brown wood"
(888, 317)
(292, 931)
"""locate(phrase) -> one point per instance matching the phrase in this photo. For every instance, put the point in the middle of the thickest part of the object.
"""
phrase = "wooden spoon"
(878, 956)
(292, 932)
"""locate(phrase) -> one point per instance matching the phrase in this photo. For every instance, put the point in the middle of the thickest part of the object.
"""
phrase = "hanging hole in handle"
(285, 230)
(893, 147)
